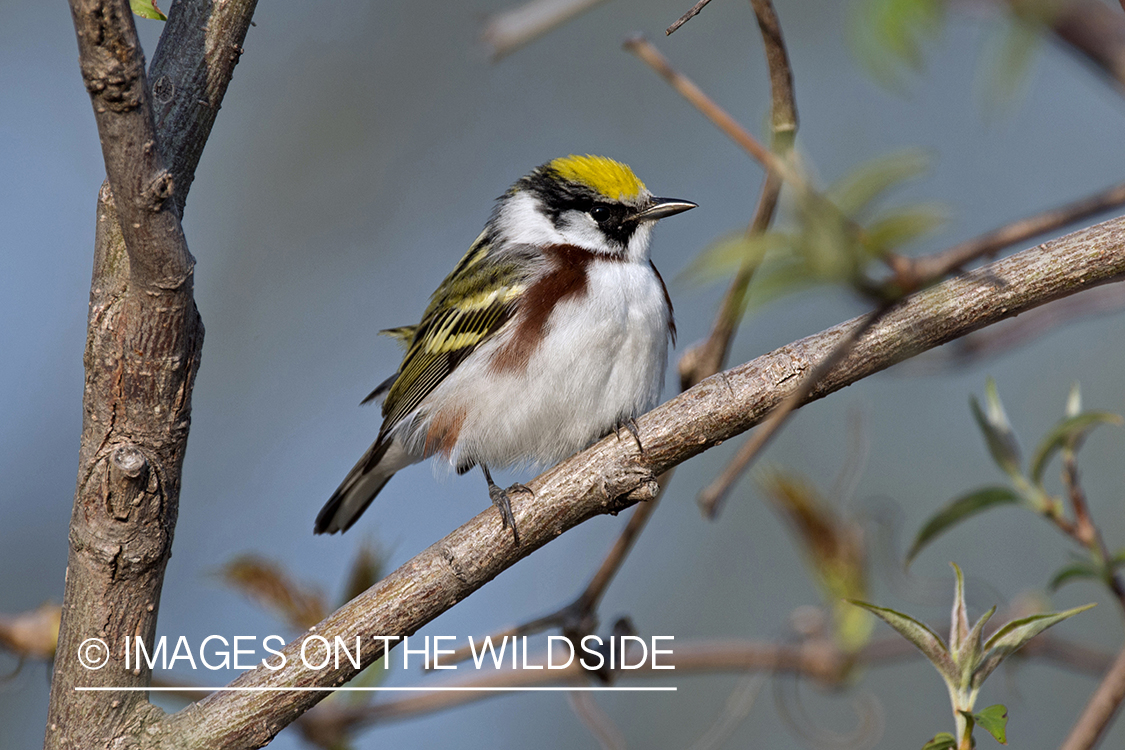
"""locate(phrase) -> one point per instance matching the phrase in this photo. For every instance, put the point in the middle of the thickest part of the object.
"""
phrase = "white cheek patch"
(524, 221)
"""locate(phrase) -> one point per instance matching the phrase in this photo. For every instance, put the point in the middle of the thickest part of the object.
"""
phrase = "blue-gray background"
(356, 156)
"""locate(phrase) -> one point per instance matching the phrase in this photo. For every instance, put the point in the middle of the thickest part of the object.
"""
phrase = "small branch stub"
(129, 460)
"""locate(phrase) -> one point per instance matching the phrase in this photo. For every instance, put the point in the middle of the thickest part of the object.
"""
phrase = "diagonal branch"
(613, 475)
(1099, 712)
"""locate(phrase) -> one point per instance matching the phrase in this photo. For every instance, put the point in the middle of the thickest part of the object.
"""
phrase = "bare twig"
(706, 359)
(692, 12)
(611, 475)
(909, 275)
(1099, 712)
(506, 32)
(930, 267)
(592, 596)
(816, 659)
(722, 119)
(1083, 529)
(1095, 32)
(597, 721)
(1013, 333)
(713, 495)
(579, 617)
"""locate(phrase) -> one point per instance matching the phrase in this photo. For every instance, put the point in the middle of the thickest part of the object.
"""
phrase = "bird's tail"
(361, 485)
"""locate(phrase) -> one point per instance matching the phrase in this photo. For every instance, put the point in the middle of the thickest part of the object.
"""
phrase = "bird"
(550, 333)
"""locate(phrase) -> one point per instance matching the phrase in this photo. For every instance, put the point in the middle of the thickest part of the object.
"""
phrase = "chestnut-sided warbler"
(550, 333)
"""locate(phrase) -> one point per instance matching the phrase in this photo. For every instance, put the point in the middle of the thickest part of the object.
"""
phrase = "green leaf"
(1008, 60)
(926, 640)
(1008, 639)
(1072, 572)
(868, 182)
(959, 626)
(887, 35)
(902, 226)
(969, 656)
(957, 511)
(941, 741)
(147, 9)
(727, 254)
(1069, 432)
(994, 720)
(998, 433)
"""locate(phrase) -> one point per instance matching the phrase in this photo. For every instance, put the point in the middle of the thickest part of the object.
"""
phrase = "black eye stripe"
(559, 197)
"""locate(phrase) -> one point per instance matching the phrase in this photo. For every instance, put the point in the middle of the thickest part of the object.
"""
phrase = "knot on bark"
(112, 85)
(159, 190)
(626, 485)
(163, 90)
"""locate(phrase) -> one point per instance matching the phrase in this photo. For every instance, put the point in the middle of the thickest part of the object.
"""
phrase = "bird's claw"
(500, 498)
(630, 424)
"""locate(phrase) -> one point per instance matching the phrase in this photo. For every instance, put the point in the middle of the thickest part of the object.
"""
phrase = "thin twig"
(713, 495)
(1084, 530)
(1096, 32)
(722, 119)
(597, 721)
(579, 617)
(910, 274)
(706, 359)
(819, 660)
(692, 12)
(998, 339)
(1100, 710)
(931, 267)
(511, 29)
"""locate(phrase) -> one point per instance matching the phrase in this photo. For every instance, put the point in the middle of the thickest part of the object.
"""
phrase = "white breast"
(602, 361)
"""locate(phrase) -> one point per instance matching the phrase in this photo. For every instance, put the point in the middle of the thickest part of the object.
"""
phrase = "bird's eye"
(600, 213)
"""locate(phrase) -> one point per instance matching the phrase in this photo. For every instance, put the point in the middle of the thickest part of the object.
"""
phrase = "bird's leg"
(630, 424)
(503, 503)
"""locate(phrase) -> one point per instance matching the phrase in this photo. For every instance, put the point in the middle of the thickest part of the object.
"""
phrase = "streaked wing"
(470, 306)
(403, 335)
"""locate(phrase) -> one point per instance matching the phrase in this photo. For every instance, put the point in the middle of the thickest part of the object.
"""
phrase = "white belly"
(602, 361)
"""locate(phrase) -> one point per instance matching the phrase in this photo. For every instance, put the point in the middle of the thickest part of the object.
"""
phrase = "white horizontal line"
(415, 689)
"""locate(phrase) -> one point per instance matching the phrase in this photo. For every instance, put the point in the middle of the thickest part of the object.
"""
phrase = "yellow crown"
(605, 176)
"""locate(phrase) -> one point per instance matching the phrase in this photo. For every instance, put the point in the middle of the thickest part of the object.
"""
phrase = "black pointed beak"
(663, 207)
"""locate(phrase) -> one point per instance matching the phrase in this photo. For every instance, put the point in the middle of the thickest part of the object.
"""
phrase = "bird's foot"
(630, 424)
(501, 499)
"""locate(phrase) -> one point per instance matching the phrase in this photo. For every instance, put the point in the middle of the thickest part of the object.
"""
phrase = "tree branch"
(817, 659)
(113, 69)
(613, 475)
(1099, 712)
(142, 352)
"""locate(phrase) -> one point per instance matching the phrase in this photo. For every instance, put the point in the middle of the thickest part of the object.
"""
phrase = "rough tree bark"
(143, 344)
